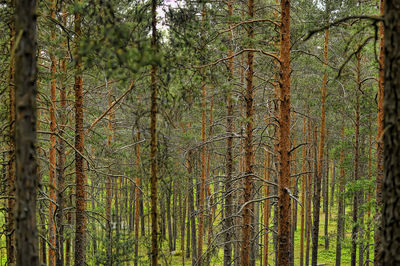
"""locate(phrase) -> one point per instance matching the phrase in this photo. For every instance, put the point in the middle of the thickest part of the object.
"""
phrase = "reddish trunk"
(80, 218)
(284, 140)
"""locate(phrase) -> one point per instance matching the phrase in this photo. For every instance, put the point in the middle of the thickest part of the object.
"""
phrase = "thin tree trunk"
(61, 161)
(228, 214)
(308, 192)
(52, 151)
(137, 195)
(317, 185)
(267, 177)
(340, 219)
(356, 164)
(192, 211)
(153, 141)
(80, 232)
(284, 139)
(26, 235)
(367, 259)
(326, 198)
(303, 192)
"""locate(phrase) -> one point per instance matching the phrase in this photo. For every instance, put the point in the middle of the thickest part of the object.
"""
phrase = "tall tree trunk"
(326, 197)
(369, 196)
(228, 208)
(53, 141)
(303, 192)
(192, 211)
(284, 139)
(10, 236)
(109, 186)
(203, 152)
(379, 142)
(340, 219)
(153, 141)
(356, 164)
(308, 190)
(248, 208)
(137, 196)
(267, 177)
(391, 150)
(317, 185)
(61, 157)
(80, 218)
(26, 234)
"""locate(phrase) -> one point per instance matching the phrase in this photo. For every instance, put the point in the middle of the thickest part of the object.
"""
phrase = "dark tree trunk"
(26, 234)
(340, 221)
(391, 150)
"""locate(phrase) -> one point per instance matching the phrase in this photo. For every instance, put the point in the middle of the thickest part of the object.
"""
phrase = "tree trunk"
(61, 161)
(303, 192)
(53, 141)
(248, 208)
(340, 219)
(379, 143)
(80, 233)
(326, 198)
(356, 164)
(391, 150)
(284, 139)
(153, 141)
(26, 234)
(228, 214)
(10, 236)
(137, 196)
(317, 185)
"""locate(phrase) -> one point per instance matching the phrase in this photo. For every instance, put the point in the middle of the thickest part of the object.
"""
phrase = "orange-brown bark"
(80, 218)
(284, 139)
(52, 151)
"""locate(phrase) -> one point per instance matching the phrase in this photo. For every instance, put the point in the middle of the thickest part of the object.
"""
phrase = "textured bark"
(340, 221)
(317, 185)
(356, 164)
(53, 141)
(284, 139)
(309, 195)
(61, 157)
(267, 176)
(379, 143)
(10, 236)
(80, 218)
(191, 211)
(203, 153)
(248, 209)
(303, 192)
(26, 234)
(137, 199)
(153, 141)
(228, 214)
(326, 197)
(391, 188)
